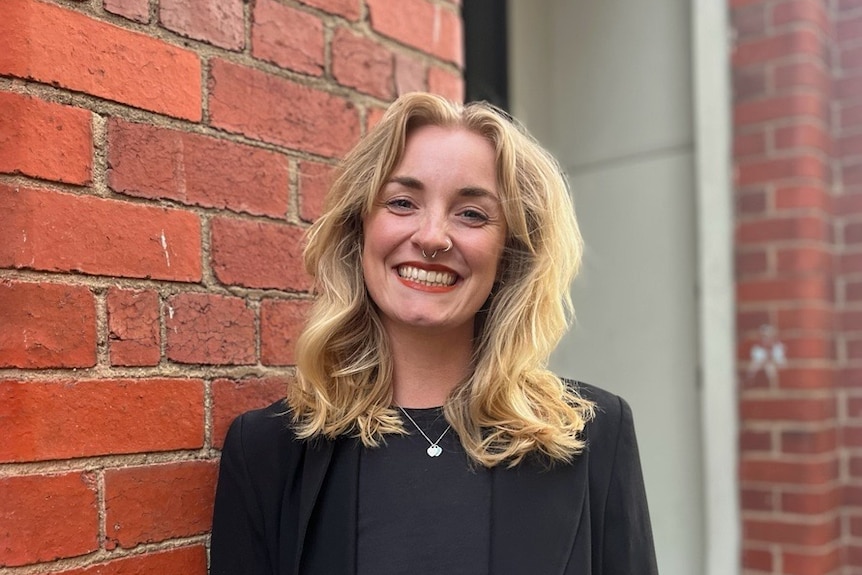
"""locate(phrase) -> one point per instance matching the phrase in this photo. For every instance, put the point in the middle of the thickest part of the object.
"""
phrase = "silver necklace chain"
(434, 449)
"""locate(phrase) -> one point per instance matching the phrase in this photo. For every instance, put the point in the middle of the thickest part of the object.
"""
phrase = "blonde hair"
(511, 405)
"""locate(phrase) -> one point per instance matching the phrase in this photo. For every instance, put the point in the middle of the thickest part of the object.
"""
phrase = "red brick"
(804, 260)
(47, 325)
(749, 22)
(281, 322)
(361, 63)
(45, 140)
(851, 175)
(768, 230)
(409, 74)
(98, 58)
(755, 441)
(845, 5)
(852, 233)
(55, 231)
(850, 262)
(796, 532)
(752, 144)
(757, 499)
(288, 37)
(796, 75)
(748, 83)
(233, 397)
(801, 12)
(785, 409)
(848, 87)
(797, 563)
(67, 419)
(809, 442)
(258, 255)
(47, 517)
(806, 136)
(848, 202)
(817, 319)
(806, 378)
(850, 116)
(796, 105)
(372, 116)
(314, 181)
(186, 560)
(769, 171)
(218, 22)
(751, 263)
(811, 501)
(151, 162)
(133, 324)
(781, 471)
(800, 197)
(346, 8)
(279, 111)
(853, 291)
(421, 24)
(815, 289)
(854, 347)
(210, 329)
(850, 145)
(851, 320)
(758, 559)
(137, 10)
(751, 201)
(448, 84)
(751, 320)
(796, 42)
(157, 502)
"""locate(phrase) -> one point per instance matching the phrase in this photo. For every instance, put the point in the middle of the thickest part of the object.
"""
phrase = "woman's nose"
(432, 234)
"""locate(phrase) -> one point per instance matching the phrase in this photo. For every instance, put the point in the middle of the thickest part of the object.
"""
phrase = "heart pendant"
(434, 451)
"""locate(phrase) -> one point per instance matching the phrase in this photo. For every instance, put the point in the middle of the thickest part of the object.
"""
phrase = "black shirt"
(420, 514)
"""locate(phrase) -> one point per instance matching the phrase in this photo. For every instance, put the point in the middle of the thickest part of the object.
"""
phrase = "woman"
(424, 433)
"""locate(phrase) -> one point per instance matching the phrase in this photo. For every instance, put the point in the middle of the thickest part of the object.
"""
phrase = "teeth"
(426, 277)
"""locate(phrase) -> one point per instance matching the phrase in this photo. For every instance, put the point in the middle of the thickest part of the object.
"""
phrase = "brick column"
(783, 148)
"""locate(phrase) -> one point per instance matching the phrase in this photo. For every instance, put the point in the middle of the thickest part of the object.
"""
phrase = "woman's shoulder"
(607, 403)
(259, 431)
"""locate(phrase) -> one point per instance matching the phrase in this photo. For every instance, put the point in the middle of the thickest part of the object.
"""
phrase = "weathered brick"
(45, 140)
(760, 559)
(807, 288)
(751, 263)
(797, 41)
(749, 22)
(156, 502)
(218, 22)
(810, 442)
(137, 10)
(55, 231)
(347, 8)
(53, 45)
(210, 329)
(258, 254)
(233, 397)
(361, 63)
(190, 560)
(47, 325)
(67, 419)
(804, 259)
(813, 319)
(802, 75)
(46, 517)
(784, 228)
(800, 105)
(799, 531)
(749, 144)
(805, 136)
(813, 561)
(446, 83)
(133, 324)
(409, 74)
(276, 110)
(805, 166)
(288, 37)
(784, 471)
(788, 409)
(796, 197)
(801, 12)
(432, 28)
(281, 322)
(152, 162)
(314, 181)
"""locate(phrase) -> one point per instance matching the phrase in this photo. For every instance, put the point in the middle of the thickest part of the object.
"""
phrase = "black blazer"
(288, 507)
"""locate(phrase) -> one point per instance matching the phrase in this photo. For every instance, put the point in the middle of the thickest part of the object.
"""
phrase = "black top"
(420, 514)
(285, 506)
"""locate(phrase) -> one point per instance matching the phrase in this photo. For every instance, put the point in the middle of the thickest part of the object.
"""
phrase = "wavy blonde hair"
(511, 405)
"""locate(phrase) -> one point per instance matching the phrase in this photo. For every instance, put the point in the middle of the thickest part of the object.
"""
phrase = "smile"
(429, 278)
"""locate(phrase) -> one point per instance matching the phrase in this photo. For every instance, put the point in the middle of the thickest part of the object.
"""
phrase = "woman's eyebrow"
(466, 192)
(407, 182)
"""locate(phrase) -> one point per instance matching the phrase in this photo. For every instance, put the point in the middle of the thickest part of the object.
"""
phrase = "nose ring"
(434, 253)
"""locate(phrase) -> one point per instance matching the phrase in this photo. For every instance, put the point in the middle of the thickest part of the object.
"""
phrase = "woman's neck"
(428, 366)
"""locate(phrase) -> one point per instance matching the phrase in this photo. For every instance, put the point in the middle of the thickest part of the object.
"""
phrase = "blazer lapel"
(535, 514)
(327, 510)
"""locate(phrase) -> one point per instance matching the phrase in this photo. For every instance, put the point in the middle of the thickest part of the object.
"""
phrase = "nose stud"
(434, 253)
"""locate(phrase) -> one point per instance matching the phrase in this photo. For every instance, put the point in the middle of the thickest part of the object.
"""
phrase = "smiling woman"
(424, 433)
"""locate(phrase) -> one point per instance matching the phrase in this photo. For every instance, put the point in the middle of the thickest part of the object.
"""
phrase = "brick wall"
(797, 147)
(159, 161)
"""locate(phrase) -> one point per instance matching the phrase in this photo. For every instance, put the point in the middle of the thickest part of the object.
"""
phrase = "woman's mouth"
(426, 277)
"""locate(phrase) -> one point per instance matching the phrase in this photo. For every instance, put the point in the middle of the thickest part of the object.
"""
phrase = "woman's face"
(443, 194)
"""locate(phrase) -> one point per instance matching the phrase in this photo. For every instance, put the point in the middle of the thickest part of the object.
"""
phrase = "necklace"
(434, 450)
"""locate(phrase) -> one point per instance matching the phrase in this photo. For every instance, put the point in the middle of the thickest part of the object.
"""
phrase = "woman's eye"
(474, 216)
(399, 204)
